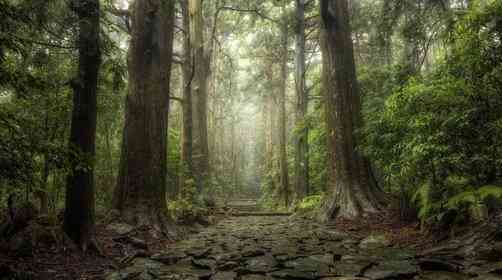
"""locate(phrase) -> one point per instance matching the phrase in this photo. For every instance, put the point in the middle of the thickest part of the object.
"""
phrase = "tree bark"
(41, 193)
(200, 147)
(351, 191)
(188, 75)
(141, 187)
(272, 146)
(79, 205)
(283, 160)
(44, 184)
(301, 141)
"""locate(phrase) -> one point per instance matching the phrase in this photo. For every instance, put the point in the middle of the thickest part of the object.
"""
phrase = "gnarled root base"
(348, 204)
(145, 217)
(86, 245)
(477, 243)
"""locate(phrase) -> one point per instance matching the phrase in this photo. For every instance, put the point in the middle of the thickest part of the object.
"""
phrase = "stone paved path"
(266, 248)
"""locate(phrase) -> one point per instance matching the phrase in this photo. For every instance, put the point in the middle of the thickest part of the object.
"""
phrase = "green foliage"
(476, 196)
(188, 207)
(318, 154)
(441, 132)
(309, 203)
(37, 63)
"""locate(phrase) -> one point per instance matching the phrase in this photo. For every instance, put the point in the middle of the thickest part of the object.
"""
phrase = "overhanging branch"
(253, 11)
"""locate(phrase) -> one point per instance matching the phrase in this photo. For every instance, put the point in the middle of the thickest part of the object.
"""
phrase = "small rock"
(351, 267)
(169, 257)
(344, 278)
(204, 263)
(392, 254)
(136, 242)
(293, 274)
(490, 252)
(117, 275)
(120, 228)
(199, 252)
(252, 251)
(488, 277)
(392, 270)
(261, 264)
(442, 275)
(283, 258)
(147, 264)
(374, 242)
(255, 277)
(487, 268)
(222, 258)
(331, 235)
(318, 264)
(224, 275)
(228, 265)
(432, 264)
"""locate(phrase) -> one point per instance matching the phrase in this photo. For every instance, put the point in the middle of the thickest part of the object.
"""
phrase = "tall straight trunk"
(42, 193)
(271, 137)
(350, 188)
(79, 207)
(301, 141)
(411, 53)
(141, 186)
(200, 147)
(233, 152)
(44, 188)
(188, 75)
(283, 160)
(267, 159)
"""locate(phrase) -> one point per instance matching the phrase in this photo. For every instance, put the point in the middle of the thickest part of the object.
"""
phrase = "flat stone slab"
(260, 264)
(392, 270)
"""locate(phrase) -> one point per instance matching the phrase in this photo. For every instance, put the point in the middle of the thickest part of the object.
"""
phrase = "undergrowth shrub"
(187, 208)
(309, 205)
(437, 137)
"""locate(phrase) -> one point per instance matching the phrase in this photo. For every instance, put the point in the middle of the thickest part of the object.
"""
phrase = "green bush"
(309, 204)
(438, 136)
(187, 208)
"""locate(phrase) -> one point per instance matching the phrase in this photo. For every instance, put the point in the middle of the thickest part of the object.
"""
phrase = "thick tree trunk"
(79, 209)
(141, 186)
(283, 160)
(301, 141)
(188, 75)
(200, 147)
(351, 191)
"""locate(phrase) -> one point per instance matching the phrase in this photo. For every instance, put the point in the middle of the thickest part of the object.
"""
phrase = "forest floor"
(261, 247)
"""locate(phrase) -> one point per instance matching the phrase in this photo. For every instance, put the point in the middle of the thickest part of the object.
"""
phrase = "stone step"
(245, 208)
(250, 214)
(244, 205)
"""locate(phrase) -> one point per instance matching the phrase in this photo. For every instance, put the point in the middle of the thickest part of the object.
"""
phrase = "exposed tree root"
(160, 225)
(87, 246)
(476, 243)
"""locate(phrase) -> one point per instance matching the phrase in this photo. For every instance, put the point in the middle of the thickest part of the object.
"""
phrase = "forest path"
(250, 207)
(277, 247)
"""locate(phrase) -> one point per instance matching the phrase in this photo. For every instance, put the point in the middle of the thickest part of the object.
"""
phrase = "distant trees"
(79, 210)
(140, 195)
